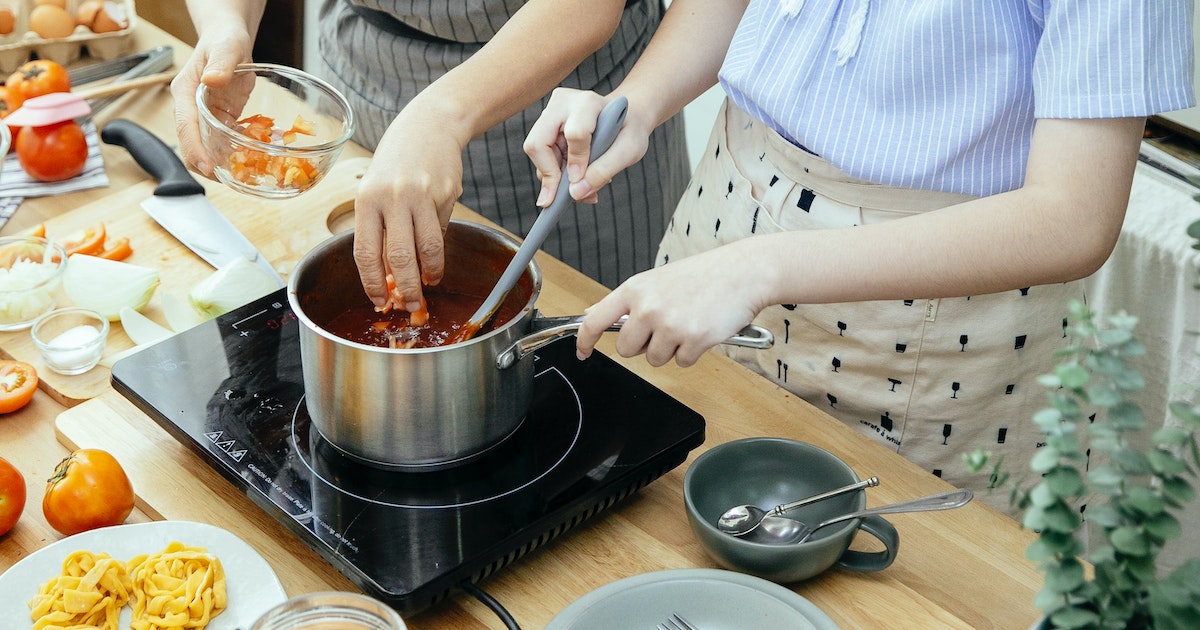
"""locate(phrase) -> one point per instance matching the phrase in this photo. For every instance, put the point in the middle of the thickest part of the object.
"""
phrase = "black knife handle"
(153, 155)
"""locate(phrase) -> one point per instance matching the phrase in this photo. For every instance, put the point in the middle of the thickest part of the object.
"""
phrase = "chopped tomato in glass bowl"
(274, 131)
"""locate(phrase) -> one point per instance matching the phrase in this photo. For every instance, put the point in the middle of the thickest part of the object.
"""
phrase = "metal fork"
(675, 622)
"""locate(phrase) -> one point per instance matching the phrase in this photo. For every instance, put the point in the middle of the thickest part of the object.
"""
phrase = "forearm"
(1060, 226)
(540, 45)
(680, 64)
(208, 14)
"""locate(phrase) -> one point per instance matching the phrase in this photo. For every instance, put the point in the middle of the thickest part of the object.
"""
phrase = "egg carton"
(22, 44)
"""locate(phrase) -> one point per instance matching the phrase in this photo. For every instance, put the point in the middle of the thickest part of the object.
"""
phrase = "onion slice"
(236, 283)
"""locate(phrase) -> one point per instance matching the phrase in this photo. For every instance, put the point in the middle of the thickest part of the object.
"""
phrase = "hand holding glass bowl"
(273, 131)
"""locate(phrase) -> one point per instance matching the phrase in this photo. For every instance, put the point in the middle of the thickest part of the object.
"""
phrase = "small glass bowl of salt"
(70, 340)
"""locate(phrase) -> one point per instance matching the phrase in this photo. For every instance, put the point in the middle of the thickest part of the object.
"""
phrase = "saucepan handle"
(548, 329)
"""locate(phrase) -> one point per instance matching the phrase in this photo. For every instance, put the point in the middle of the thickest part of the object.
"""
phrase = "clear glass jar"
(331, 610)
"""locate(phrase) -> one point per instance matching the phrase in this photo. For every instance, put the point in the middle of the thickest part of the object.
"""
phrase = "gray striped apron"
(929, 379)
(380, 58)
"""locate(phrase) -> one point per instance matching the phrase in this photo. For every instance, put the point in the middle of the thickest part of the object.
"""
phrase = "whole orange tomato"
(89, 489)
(18, 382)
(12, 496)
(53, 152)
(5, 111)
(35, 78)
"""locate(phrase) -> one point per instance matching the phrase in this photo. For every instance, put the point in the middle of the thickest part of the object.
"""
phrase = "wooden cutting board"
(283, 230)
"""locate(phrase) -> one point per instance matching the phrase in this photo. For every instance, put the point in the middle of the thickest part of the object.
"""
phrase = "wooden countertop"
(959, 569)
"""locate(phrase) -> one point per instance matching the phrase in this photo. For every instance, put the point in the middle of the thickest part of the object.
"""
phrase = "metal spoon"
(781, 530)
(743, 519)
(608, 124)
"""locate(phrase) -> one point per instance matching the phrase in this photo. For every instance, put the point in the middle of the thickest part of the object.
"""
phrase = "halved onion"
(107, 286)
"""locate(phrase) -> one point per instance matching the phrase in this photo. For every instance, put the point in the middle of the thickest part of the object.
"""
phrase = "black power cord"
(491, 602)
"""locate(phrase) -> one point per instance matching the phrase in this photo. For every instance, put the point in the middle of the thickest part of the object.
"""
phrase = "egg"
(50, 21)
(110, 18)
(86, 13)
(102, 17)
(62, 4)
(8, 20)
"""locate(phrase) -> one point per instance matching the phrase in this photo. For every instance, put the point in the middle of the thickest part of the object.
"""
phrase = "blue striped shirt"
(942, 94)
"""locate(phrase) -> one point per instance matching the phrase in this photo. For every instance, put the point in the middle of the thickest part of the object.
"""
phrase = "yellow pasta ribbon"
(87, 595)
(180, 587)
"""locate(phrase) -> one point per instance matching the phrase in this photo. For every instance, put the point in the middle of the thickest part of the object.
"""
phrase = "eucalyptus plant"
(1091, 453)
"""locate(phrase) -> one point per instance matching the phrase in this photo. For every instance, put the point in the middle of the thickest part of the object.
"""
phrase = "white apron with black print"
(930, 379)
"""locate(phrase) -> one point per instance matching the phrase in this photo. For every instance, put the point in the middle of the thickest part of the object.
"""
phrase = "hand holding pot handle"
(548, 329)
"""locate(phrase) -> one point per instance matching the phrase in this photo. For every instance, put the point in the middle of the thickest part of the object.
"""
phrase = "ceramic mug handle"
(881, 529)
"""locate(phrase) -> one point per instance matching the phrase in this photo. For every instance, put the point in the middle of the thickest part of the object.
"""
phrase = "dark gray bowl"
(769, 471)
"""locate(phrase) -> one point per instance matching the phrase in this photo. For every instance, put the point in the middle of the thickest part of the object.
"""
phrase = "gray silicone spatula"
(608, 124)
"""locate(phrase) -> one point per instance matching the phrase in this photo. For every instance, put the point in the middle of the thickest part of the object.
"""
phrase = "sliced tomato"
(18, 382)
(117, 250)
(258, 127)
(88, 241)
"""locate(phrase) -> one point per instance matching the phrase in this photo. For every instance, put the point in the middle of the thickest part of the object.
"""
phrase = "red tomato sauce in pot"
(448, 312)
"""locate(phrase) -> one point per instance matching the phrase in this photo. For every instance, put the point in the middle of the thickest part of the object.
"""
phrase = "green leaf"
(1065, 576)
(1170, 436)
(1127, 416)
(1064, 482)
(1129, 540)
(1105, 476)
(1108, 363)
(976, 459)
(1141, 570)
(1048, 419)
(1144, 500)
(1048, 601)
(1103, 515)
(1043, 496)
(1178, 490)
(1066, 443)
(1163, 526)
(1165, 463)
(1129, 380)
(1070, 618)
(1123, 320)
(1044, 459)
(1072, 375)
(1038, 550)
(1061, 517)
(1134, 348)
(1189, 414)
(1114, 336)
(1049, 381)
(1131, 461)
(1035, 519)
(1103, 394)
(1102, 554)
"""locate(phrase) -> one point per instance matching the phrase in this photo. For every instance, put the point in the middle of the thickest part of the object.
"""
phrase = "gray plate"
(709, 599)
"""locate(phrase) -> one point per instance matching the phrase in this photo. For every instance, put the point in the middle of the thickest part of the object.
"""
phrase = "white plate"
(711, 599)
(251, 585)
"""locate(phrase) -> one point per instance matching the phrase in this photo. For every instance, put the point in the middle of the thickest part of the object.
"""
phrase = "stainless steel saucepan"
(426, 408)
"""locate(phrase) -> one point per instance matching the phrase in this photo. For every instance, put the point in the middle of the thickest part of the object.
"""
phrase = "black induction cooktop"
(231, 389)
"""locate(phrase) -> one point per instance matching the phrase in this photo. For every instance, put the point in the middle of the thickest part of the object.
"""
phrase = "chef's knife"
(179, 204)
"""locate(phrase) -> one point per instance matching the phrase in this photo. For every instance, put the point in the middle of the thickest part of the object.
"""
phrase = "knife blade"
(179, 204)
